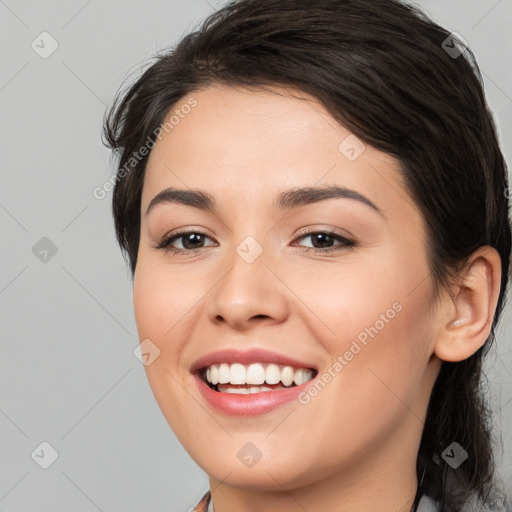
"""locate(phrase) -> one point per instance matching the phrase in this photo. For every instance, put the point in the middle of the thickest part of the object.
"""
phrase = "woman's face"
(259, 275)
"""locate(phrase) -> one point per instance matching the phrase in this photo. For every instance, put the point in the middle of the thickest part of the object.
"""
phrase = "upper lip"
(254, 355)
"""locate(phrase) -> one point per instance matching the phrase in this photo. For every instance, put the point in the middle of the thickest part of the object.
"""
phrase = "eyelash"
(164, 244)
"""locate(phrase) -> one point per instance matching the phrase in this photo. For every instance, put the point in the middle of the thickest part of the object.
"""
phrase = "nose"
(248, 292)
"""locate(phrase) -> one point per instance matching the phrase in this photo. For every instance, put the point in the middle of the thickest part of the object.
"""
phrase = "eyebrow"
(292, 198)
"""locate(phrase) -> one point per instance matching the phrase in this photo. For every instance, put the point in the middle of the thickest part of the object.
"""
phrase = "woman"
(314, 206)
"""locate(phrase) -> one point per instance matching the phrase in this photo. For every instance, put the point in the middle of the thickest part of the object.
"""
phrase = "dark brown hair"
(400, 83)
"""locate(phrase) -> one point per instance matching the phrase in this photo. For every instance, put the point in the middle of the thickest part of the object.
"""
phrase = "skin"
(353, 447)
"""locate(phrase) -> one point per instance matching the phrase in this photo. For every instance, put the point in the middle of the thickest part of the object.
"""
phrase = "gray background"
(68, 373)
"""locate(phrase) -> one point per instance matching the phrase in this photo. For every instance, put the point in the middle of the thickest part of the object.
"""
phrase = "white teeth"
(256, 374)
(223, 373)
(287, 375)
(228, 388)
(272, 374)
(302, 375)
(240, 391)
(237, 374)
(214, 374)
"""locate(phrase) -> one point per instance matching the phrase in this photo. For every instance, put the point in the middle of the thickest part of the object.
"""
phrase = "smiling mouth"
(253, 378)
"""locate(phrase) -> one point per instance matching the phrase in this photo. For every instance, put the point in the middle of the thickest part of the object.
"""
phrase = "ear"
(469, 312)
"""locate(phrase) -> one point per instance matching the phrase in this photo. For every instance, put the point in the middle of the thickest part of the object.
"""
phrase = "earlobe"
(471, 307)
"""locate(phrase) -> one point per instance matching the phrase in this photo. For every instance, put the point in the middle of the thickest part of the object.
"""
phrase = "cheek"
(374, 380)
(168, 304)
(161, 307)
(163, 301)
(374, 326)
(150, 303)
(347, 300)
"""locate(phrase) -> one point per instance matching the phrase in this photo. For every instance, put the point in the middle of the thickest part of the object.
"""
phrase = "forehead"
(251, 144)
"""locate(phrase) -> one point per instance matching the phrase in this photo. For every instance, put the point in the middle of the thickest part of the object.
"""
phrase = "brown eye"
(190, 241)
(322, 241)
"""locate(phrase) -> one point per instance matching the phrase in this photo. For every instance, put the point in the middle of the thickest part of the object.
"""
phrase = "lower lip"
(248, 404)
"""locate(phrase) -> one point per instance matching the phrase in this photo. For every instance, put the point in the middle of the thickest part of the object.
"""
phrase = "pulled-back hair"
(400, 83)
